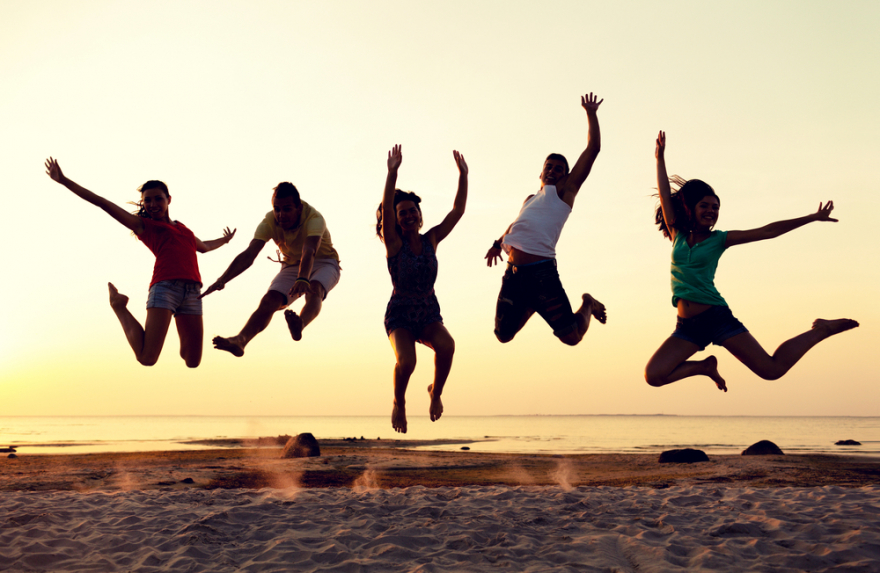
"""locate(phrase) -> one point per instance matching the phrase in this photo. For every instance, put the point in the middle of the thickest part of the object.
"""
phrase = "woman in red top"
(174, 289)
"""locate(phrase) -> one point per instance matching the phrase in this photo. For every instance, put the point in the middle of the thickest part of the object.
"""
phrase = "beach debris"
(10, 449)
(12, 456)
(763, 448)
(187, 480)
(465, 448)
(683, 456)
(301, 446)
(847, 443)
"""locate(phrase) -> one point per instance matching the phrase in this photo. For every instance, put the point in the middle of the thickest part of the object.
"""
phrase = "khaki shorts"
(324, 271)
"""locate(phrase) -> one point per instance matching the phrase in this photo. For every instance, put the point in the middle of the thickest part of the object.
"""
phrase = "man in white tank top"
(531, 283)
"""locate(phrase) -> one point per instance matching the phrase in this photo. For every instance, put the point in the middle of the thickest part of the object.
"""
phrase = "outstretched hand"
(459, 160)
(219, 285)
(493, 257)
(227, 234)
(589, 102)
(53, 170)
(300, 288)
(395, 158)
(824, 212)
(661, 146)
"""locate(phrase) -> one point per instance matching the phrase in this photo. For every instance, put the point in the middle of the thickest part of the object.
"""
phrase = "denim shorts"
(178, 296)
(713, 326)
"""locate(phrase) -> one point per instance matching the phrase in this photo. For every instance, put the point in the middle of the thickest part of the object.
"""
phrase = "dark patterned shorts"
(413, 314)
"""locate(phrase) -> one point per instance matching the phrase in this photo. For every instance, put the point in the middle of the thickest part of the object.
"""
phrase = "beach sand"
(376, 506)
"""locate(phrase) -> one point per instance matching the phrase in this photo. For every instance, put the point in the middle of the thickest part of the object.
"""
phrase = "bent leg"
(748, 351)
(436, 337)
(404, 344)
(511, 311)
(670, 364)
(145, 342)
(191, 332)
(310, 311)
(271, 302)
(590, 308)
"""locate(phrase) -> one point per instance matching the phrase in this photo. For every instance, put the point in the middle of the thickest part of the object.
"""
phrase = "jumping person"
(687, 217)
(310, 267)
(531, 283)
(413, 313)
(174, 289)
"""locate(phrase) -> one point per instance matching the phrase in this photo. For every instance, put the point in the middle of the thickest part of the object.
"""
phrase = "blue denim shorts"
(713, 326)
(178, 296)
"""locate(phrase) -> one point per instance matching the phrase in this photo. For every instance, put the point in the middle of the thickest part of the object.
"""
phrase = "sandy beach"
(377, 506)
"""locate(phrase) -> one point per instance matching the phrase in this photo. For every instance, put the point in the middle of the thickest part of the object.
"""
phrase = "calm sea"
(521, 434)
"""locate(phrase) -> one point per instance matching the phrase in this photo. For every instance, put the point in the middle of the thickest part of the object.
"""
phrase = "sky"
(772, 103)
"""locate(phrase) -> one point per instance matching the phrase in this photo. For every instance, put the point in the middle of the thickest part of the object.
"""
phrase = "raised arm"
(663, 185)
(239, 264)
(773, 230)
(442, 230)
(130, 220)
(205, 246)
(572, 183)
(389, 217)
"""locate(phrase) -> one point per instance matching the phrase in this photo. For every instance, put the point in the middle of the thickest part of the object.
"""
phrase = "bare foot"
(294, 324)
(398, 418)
(231, 345)
(597, 309)
(116, 300)
(710, 365)
(436, 408)
(832, 327)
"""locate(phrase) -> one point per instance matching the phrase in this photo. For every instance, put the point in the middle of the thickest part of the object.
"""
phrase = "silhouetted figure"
(531, 283)
(413, 313)
(310, 267)
(687, 217)
(174, 289)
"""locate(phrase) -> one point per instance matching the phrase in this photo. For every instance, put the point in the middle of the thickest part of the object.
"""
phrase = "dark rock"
(763, 448)
(465, 448)
(847, 443)
(187, 480)
(11, 456)
(301, 446)
(685, 456)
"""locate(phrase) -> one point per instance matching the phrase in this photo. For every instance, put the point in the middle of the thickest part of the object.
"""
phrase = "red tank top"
(175, 248)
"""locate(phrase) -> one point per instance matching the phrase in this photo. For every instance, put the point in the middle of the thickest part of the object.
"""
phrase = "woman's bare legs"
(752, 354)
(404, 344)
(436, 337)
(191, 332)
(146, 341)
(670, 364)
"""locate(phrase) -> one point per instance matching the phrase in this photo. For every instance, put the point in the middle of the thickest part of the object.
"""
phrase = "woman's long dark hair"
(152, 184)
(685, 196)
(399, 196)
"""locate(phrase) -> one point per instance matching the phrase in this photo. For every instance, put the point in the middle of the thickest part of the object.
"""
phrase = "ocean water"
(515, 434)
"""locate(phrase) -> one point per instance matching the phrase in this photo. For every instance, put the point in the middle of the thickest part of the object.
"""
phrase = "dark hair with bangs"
(687, 193)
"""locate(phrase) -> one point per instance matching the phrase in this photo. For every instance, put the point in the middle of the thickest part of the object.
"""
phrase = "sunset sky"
(775, 104)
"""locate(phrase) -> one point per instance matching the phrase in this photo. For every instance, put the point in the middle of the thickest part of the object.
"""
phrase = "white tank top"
(539, 224)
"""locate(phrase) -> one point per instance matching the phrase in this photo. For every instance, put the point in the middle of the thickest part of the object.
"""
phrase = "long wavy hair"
(152, 184)
(685, 196)
(399, 196)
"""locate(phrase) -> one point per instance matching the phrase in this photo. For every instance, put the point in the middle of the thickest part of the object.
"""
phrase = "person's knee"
(445, 348)
(770, 373)
(272, 301)
(654, 379)
(504, 337)
(406, 365)
(146, 360)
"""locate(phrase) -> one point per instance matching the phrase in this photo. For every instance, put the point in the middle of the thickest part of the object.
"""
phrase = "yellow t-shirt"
(290, 242)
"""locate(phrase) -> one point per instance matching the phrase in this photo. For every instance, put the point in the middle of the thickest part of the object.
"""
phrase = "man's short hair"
(285, 189)
(559, 157)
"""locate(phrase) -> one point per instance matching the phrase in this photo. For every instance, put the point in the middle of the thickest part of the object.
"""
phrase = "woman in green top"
(687, 217)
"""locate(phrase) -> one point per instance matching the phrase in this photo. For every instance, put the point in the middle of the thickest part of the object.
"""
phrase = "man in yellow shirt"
(310, 267)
